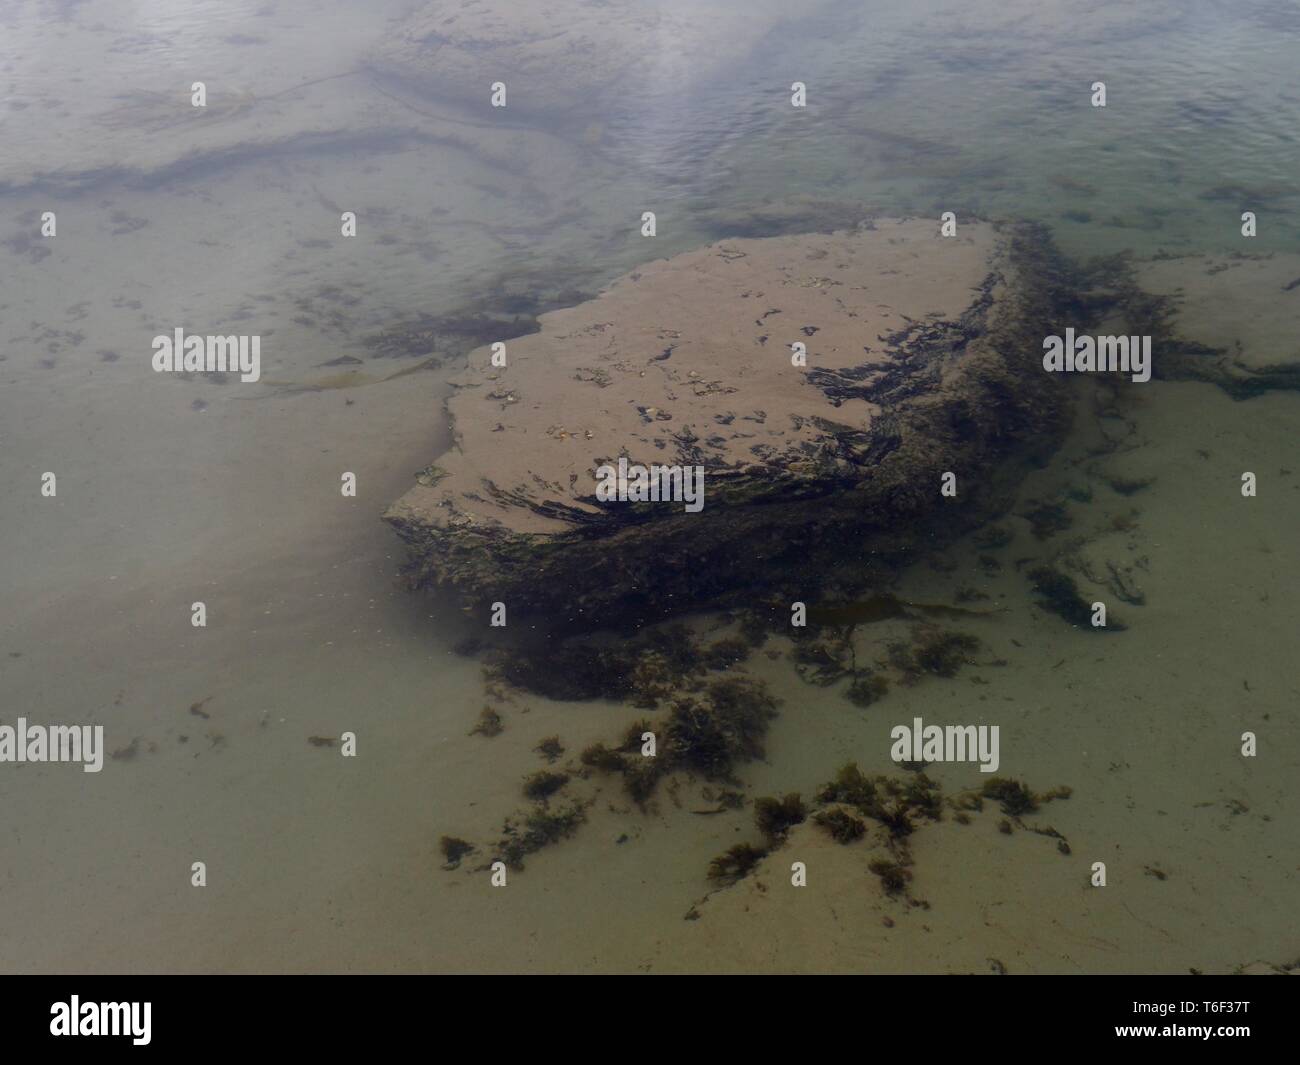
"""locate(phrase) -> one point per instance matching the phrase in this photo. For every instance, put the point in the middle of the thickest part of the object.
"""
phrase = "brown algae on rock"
(921, 363)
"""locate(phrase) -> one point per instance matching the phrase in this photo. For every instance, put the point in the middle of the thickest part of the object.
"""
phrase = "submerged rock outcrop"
(1232, 319)
(923, 358)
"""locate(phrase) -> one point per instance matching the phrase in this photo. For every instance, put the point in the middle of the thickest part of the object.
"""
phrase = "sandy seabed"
(172, 494)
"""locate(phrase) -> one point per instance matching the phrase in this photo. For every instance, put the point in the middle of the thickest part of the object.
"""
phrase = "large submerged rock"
(923, 357)
(1233, 319)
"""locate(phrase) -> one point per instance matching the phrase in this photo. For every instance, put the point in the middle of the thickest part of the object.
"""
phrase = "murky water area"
(176, 489)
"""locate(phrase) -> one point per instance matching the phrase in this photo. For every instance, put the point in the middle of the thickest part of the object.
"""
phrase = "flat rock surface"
(688, 361)
(1246, 306)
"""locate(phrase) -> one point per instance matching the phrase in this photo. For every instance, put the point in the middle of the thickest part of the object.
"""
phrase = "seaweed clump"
(634, 737)
(933, 652)
(1059, 593)
(544, 784)
(892, 803)
(775, 817)
(644, 671)
(897, 806)
(850, 787)
(712, 722)
(993, 537)
(867, 688)
(489, 724)
(709, 736)
(598, 756)
(1048, 519)
(453, 850)
(754, 628)
(843, 826)
(541, 828)
(894, 876)
(550, 748)
(1016, 799)
(570, 673)
(705, 733)
(725, 653)
(822, 661)
(736, 863)
(946, 652)
(848, 804)
(640, 778)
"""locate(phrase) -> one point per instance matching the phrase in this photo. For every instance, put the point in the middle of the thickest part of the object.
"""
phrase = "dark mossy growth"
(837, 620)
(843, 827)
(896, 817)
(453, 850)
(550, 748)
(541, 828)
(944, 653)
(867, 688)
(632, 740)
(1059, 593)
(643, 670)
(1014, 797)
(900, 657)
(746, 709)
(489, 723)
(653, 681)
(775, 817)
(736, 863)
(709, 736)
(724, 720)
(696, 740)
(891, 802)
(573, 672)
(922, 795)
(598, 756)
(726, 653)
(754, 629)
(1048, 519)
(850, 787)
(1079, 493)
(677, 646)
(731, 800)
(993, 538)
(544, 784)
(893, 876)
(822, 660)
(1126, 486)
(641, 777)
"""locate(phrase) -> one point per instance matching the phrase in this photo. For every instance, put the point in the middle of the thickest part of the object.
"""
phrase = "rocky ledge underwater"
(917, 412)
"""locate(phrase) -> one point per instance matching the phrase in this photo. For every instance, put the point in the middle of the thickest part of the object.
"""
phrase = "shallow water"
(171, 492)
